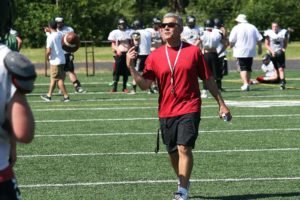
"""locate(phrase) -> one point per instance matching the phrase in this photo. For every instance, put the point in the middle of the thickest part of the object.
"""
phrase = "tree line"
(94, 19)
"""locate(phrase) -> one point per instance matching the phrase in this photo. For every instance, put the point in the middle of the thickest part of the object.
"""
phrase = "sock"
(134, 87)
(76, 83)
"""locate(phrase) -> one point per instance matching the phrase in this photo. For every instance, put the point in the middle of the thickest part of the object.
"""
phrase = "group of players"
(212, 39)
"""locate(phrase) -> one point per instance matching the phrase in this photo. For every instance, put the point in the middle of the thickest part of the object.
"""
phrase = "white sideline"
(152, 153)
(160, 182)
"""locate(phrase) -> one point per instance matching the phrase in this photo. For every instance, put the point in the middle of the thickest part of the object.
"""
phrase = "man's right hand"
(131, 56)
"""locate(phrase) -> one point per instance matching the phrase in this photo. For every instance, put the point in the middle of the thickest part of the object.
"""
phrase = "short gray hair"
(174, 15)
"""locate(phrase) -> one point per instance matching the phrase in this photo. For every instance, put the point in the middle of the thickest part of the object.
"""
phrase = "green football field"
(100, 145)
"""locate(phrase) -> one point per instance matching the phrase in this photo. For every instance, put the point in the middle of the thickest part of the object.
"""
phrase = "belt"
(6, 174)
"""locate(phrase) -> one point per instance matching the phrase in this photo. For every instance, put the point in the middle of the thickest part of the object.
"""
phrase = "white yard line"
(153, 133)
(152, 153)
(155, 118)
(137, 182)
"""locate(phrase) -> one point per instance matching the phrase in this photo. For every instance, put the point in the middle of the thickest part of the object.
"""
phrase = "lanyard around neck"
(172, 68)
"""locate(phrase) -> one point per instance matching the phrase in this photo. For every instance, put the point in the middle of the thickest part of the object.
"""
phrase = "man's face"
(170, 29)
(60, 25)
(121, 26)
(275, 27)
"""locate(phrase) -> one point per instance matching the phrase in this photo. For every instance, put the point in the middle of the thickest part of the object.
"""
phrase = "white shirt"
(269, 69)
(156, 40)
(145, 42)
(65, 30)
(121, 38)
(57, 56)
(211, 38)
(191, 35)
(244, 36)
(276, 39)
(7, 90)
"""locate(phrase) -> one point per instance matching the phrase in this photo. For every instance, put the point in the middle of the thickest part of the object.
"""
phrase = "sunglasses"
(170, 25)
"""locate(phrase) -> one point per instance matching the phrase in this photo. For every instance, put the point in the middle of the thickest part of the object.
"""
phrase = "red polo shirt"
(189, 67)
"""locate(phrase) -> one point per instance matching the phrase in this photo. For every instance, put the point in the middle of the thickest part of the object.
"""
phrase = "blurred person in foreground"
(177, 66)
(276, 43)
(243, 39)
(16, 118)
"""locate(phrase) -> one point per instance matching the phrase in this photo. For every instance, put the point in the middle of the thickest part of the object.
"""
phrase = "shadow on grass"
(296, 195)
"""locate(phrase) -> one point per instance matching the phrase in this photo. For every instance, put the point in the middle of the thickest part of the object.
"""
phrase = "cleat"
(65, 99)
(79, 90)
(180, 196)
(125, 90)
(46, 98)
(245, 87)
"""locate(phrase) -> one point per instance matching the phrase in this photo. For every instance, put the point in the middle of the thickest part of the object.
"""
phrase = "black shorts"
(278, 60)
(245, 64)
(214, 64)
(69, 66)
(9, 190)
(180, 130)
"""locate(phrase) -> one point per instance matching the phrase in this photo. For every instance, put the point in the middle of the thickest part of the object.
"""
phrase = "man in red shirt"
(177, 66)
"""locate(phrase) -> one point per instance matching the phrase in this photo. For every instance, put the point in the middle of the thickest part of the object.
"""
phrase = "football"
(70, 42)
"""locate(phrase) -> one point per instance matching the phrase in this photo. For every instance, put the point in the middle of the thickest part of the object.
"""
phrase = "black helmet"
(122, 21)
(5, 17)
(156, 20)
(191, 21)
(266, 58)
(218, 22)
(208, 23)
(137, 24)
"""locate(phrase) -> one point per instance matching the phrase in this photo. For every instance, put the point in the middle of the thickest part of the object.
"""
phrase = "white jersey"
(121, 38)
(269, 69)
(191, 35)
(145, 42)
(66, 29)
(276, 39)
(211, 38)
(57, 56)
(7, 90)
(156, 40)
(244, 37)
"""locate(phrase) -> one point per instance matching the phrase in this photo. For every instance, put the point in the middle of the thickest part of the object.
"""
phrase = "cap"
(59, 19)
(241, 18)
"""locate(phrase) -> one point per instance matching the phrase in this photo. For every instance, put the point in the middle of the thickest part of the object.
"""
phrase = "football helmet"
(208, 23)
(218, 22)
(137, 24)
(191, 21)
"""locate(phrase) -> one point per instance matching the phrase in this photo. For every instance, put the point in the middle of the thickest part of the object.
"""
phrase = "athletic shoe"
(282, 86)
(79, 90)
(46, 98)
(113, 90)
(65, 99)
(125, 90)
(180, 196)
(245, 87)
(204, 94)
